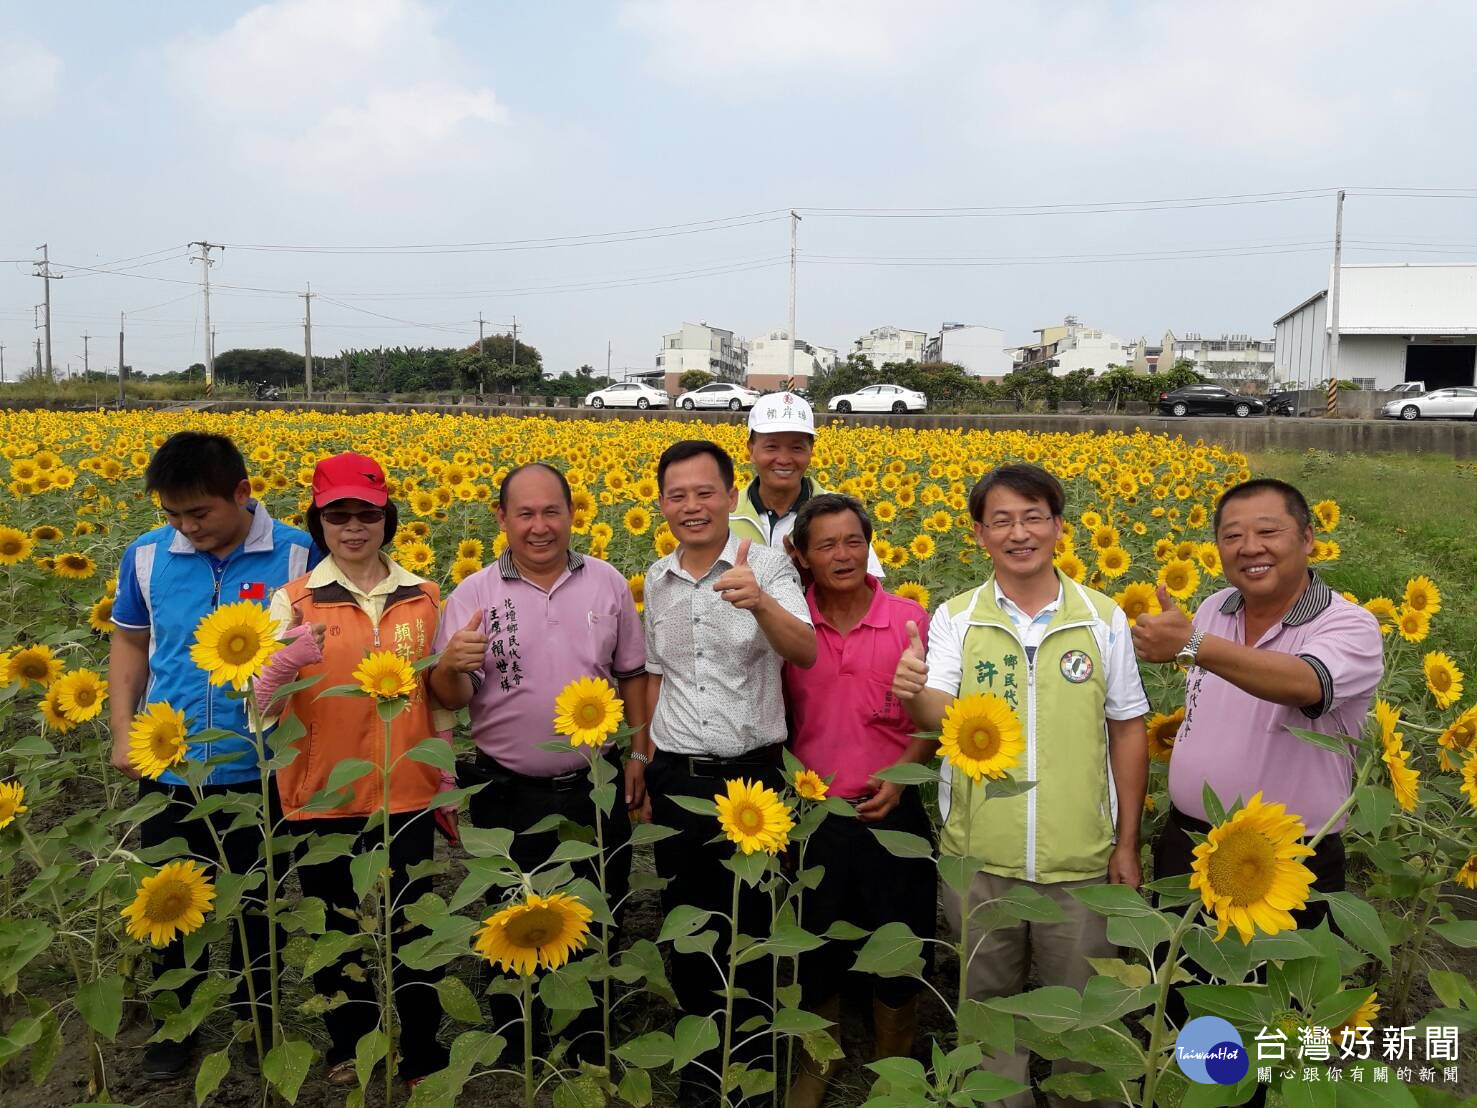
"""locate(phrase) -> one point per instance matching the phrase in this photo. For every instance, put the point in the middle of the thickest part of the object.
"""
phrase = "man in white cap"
(781, 438)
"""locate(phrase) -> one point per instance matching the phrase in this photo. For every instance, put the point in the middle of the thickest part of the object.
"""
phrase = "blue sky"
(130, 130)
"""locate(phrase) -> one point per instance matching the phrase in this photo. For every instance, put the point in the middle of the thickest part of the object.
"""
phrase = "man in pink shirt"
(846, 725)
(1279, 649)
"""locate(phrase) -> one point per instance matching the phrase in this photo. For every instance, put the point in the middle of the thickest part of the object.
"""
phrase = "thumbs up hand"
(739, 586)
(467, 648)
(1158, 637)
(911, 675)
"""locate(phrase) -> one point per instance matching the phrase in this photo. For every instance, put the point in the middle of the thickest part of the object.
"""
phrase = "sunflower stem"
(968, 907)
(389, 1002)
(1166, 979)
(733, 933)
(527, 1041)
(269, 853)
(604, 927)
(1343, 809)
(1408, 956)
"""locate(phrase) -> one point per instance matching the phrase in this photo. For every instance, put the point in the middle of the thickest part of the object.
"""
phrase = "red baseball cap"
(349, 477)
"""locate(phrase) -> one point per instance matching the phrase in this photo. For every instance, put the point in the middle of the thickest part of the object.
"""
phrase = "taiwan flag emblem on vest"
(253, 590)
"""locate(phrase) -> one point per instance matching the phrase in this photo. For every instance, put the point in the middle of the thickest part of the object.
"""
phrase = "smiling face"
(780, 459)
(536, 520)
(696, 504)
(1018, 533)
(1264, 552)
(213, 524)
(354, 542)
(836, 552)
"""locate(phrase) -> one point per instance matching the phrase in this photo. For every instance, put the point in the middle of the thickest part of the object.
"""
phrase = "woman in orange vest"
(358, 600)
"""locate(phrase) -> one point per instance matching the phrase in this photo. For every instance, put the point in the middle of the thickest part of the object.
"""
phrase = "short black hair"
(1032, 482)
(502, 489)
(684, 449)
(313, 520)
(1297, 503)
(196, 462)
(827, 504)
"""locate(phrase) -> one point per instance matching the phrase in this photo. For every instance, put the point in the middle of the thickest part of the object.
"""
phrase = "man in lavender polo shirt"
(512, 636)
(1279, 649)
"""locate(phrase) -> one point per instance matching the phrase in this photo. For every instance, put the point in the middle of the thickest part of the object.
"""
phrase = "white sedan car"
(1458, 403)
(880, 398)
(627, 394)
(719, 394)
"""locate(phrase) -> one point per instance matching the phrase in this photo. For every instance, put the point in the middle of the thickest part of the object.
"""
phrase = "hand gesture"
(120, 759)
(884, 798)
(318, 629)
(739, 586)
(911, 674)
(1158, 638)
(467, 649)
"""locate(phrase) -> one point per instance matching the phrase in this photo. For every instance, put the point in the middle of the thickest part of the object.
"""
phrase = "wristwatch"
(1186, 657)
(637, 756)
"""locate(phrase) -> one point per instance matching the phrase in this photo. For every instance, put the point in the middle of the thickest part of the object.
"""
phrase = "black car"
(1209, 400)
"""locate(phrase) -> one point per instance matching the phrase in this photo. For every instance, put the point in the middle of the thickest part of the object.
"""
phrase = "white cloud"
(28, 76)
(325, 85)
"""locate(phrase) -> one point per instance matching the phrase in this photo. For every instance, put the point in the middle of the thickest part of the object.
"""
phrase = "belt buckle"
(701, 766)
(566, 781)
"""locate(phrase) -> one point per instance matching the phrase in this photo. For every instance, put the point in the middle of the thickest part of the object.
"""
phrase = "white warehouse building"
(1398, 322)
(980, 350)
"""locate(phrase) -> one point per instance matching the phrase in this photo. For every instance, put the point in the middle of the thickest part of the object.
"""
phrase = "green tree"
(695, 379)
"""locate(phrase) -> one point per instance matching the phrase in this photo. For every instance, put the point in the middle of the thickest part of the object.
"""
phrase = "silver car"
(1454, 403)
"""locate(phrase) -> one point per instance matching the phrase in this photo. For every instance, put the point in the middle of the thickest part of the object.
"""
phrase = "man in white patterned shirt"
(722, 616)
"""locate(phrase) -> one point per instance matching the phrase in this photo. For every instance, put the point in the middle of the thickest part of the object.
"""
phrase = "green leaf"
(682, 920)
(434, 752)
(1114, 900)
(697, 805)
(900, 844)
(100, 1003)
(285, 1066)
(347, 772)
(788, 940)
(1007, 787)
(1334, 744)
(284, 691)
(1052, 1008)
(958, 872)
(1360, 923)
(1248, 1007)
(644, 834)
(797, 1021)
(457, 1000)
(366, 870)
(1453, 989)
(909, 773)
(329, 948)
(892, 951)
(45, 1049)
(1373, 805)
(635, 1088)
(571, 850)
(1461, 933)
(327, 848)
(693, 1036)
(20, 942)
(648, 1051)
(1227, 961)
(213, 1070)
(369, 1051)
(1215, 811)
(1131, 974)
(1143, 933)
(1336, 1009)
(566, 992)
(1097, 1086)
(904, 1075)
(580, 1092)
(994, 1030)
(1104, 1000)
(487, 842)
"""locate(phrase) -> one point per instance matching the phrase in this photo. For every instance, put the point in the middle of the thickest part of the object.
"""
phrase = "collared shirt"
(721, 692)
(584, 625)
(1240, 744)
(845, 719)
(774, 528)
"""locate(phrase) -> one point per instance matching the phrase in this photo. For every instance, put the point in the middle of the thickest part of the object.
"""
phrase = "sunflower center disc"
(750, 819)
(534, 928)
(238, 647)
(168, 904)
(980, 742)
(589, 714)
(1243, 866)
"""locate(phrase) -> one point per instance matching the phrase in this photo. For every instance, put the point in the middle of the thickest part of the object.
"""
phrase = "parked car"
(1209, 400)
(627, 394)
(1458, 403)
(719, 394)
(880, 398)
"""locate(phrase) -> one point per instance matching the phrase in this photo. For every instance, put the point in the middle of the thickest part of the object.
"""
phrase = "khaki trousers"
(1005, 959)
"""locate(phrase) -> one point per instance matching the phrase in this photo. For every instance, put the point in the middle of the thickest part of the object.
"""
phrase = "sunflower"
(808, 784)
(1163, 730)
(1137, 599)
(1179, 577)
(157, 739)
(417, 556)
(100, 615)
(542, 931)
(11, 795)
(75, 566)
(1209, 556)
(1249, 870)
(1072, 566)
(637, 521)
(1113, 561)
(1460, 738)
(587, 711)
(1467, 875)
(52, 715)
(15, 546)
(1325, 550)
(385, 675)
(897, 557)
(1469, 781)
(1326, 512)
(171, 902)
(46, 533)
(1362, 1016)
(1104, 536)
(1403, 780)
(1414, 624)
(923, 547)
(912, 590)
(1383, 609)
(233, 643)
(1163, 549)
(35, 663)
(752, 816)
(469, 548)
(463, 568)
(665, 542)
(1443, 678)
(885, 511)
(80, 695)
(637, 584)
(981, 736)
(1422, 595)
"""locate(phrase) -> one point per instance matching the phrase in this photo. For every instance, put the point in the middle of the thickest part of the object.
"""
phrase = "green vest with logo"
(1062, 830)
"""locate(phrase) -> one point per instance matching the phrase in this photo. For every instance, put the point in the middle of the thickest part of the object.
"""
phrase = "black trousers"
(693, 866)
(866, 885)
(243, 852)
(417, 1007)
(516, 802)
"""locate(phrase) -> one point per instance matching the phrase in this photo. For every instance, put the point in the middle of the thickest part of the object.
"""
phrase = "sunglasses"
(339, 516)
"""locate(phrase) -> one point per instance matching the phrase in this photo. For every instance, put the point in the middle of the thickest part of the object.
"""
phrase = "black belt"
(703, 765)
(1200, 827)
(564, 782)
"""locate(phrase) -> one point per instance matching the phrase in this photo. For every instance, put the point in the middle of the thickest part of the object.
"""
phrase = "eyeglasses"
(1031, 522)
(339, 516)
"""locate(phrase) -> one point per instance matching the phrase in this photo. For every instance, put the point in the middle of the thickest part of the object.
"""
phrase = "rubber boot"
(809, 1087)
(894, 1029)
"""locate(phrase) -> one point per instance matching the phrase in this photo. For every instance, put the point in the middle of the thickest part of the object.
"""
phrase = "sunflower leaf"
(901, 844)
(1052, 1008)
(1007, 786)
(347, 772)
(693, 1036)
(434, 752)
(213, 1069)
(100, 1003)
(1360, 923)
(285, 1066)
(647, 1051)
(909, 773)
(891, 951)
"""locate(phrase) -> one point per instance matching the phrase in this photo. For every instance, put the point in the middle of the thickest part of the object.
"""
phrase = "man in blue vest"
(220, 546)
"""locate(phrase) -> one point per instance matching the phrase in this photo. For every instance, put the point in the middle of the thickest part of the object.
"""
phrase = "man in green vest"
(1060, 655)
(781, 438)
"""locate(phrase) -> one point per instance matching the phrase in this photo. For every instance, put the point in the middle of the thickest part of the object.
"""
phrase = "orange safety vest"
(340, 727)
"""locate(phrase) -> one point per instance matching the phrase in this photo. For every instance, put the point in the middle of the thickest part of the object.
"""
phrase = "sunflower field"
(81, 905)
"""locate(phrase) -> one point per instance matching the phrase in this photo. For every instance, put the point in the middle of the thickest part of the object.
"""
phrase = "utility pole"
(481, 373)
(2, 363)
(794, 229)
(46, 278)
(205, 249)
(607, 359)
(1333, 290)
(85, 339)
(515, 346)
(308, 341)
(122, 370)
(38, 357)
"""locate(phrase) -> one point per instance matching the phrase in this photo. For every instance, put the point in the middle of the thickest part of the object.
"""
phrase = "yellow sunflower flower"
(1422, 595)
(1469, 782)
(157, 739)
(1137, 599)
(754, 817)
(416, 556)
(541, 932)
(52, 715)
(1459, 738)
(637, 521)
(1467, 875)
(46, 533)
(1403, 780)
(75, 566)
(1363, 1016)
(808, 784)
(1163, 730)
(637, 584)
(1414, 624)
(981, 736)
(233, 643)
(1443, 678)
(1326, 513)
(1113, 561)
(80, 695)
(385, 675)
(1071, 566)
(12, 793)
(35, 664)
(923, 547)
(912, 590)
(171, 902)
(463, 568)
(469, 548)
(1250, 873)
(1383, 609)
(587, 711)
(15, 546)
(1179, 577)
(100, 615)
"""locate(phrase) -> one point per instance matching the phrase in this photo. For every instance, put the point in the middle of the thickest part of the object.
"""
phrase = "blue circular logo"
(1209, 1052)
